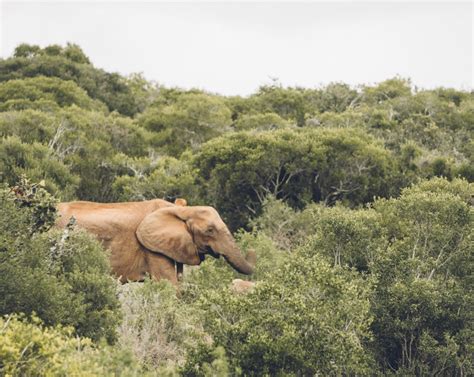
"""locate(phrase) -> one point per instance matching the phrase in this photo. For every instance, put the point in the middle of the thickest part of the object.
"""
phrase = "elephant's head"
(187, 234)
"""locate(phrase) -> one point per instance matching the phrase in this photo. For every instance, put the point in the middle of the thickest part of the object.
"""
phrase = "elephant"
(156, 237)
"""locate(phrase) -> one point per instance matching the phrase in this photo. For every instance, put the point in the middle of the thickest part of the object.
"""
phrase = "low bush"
(158, 327)
(306, 318)
(61, 275)
(28, 348)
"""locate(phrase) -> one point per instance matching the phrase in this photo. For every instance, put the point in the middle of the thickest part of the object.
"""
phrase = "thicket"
(63, 277)
(358, 202)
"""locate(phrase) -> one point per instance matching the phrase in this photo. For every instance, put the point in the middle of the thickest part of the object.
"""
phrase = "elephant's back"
(80, 205)
(105, 217)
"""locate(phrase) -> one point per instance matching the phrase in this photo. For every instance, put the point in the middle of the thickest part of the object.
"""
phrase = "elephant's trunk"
(236, 259)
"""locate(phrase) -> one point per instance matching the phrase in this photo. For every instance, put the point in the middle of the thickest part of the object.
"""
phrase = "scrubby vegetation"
(358, 202)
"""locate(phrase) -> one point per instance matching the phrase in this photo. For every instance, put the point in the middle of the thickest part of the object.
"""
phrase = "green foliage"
(97, 161)
(63, 276)
(386, 90)
(422, 301)
(419, 249)
(238, 170)
(186, 122)
(336, 97)
(31, 349)
(165, 177)
(261, 122)
(364, 266)
(144, 92)
(306, 318)
(29, 125)
(207, 360)
(298, 104)
(37, 201)
(347, 238)
(72, 52)
(288, 103)
(37, 162)
(278, 221)
(70, 63)
(38, 92)
(63, 153)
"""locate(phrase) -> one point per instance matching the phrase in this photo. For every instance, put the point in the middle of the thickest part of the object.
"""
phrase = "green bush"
(165, 177)
(237, 171)
(187, 122)
(62, 275)
(345, 237)
(31, 90)
(69, 63)
(37, 162)
(28, 348)
(422, 302)
(306, 318)
(261, 122)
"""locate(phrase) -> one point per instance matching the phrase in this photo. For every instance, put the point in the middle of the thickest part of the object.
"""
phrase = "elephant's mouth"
(211, 252)
(207, 250)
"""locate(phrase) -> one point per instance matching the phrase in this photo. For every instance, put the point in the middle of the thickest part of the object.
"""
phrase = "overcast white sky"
(233, 48)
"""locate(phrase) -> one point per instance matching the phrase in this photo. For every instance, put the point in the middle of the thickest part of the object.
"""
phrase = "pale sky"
(233, 48)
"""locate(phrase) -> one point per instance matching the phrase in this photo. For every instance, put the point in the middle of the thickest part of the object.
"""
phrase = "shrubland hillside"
(357, 200)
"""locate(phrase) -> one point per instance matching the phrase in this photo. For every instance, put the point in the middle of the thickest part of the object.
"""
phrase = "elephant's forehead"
(206, 210)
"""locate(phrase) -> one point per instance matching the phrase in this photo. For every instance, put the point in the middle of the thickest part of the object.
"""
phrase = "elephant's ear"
(165, 231)
(181, 202)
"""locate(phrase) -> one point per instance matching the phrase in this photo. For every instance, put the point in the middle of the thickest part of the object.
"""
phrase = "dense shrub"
(237, 171)
(164, 177)
(422, 304)
(261, 122)
(62, 276)
(70, 64)
(418, 248)
(23, 94)
(305, 318)
(38, 162)
(186, 122)
(28, 348)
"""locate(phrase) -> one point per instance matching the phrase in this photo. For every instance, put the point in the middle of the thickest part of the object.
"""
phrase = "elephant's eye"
(210, 230)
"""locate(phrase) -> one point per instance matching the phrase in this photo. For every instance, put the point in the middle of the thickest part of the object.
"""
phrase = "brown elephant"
(155, 236)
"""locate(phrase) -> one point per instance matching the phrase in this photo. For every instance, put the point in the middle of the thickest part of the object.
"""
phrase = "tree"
(70, 64)
(237, 171)
(261, 122)
(345, 237)
(386, 90)
(422, 301)
(37, 162)
(336, 97)
(34, 92)
(25, 50)
(186, 123)
(165, 177)
(289, 103)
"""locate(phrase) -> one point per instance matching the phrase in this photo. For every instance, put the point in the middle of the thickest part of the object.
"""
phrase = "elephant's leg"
(161, 267)
(179, 271)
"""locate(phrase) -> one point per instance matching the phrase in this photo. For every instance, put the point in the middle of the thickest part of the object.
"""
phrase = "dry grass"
(157, 326)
